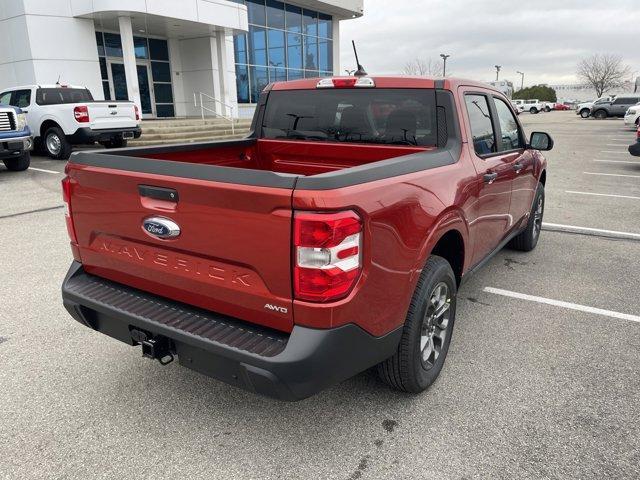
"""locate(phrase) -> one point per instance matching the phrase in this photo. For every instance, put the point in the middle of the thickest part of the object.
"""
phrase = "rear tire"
(600, 115)
(585, 113)
(528, 239)
(56, 144)
(547, 109)
(18, 164)
(533, 110)
(427, 331)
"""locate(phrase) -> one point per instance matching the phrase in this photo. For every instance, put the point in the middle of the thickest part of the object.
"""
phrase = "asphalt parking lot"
(542, 378)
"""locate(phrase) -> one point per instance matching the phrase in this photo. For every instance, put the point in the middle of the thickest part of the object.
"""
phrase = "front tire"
(18, 164)
(427, 330)
(528, 239)
(547, 109)
(56, 144)
(584, 113)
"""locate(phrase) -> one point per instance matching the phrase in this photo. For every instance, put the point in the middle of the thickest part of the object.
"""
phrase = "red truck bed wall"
(283, 156)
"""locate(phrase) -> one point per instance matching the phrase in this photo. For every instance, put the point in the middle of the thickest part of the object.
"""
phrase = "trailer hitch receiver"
(155, 348)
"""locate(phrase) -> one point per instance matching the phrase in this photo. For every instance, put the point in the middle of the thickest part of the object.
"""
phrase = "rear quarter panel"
(403, 218)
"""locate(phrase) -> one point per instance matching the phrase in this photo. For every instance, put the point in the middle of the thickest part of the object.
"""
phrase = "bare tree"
(603, 72)
(423, 68)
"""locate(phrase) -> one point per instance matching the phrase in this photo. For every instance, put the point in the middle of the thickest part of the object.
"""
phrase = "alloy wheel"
(537, 217)
(434, 329)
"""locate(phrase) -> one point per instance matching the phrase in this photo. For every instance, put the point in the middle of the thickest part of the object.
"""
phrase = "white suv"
(532, 106)
(632, 117)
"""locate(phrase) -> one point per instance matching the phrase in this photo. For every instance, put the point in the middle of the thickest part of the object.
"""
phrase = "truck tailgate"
(233, 253)
(105, 115)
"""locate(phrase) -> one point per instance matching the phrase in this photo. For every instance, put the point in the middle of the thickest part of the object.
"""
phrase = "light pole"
(444, 66)
(498, 68)
(521, 80)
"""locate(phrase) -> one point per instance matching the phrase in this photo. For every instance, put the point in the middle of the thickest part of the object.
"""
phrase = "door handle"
(159, 193)
(490, 177)
(518, 166)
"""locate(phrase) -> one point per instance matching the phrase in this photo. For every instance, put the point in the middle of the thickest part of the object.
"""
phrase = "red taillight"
(81, 114)
(66, 198)
(344, 82)
(328, 255)
(137, 112)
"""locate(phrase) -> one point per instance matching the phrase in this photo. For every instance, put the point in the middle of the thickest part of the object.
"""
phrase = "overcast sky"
(543, 38)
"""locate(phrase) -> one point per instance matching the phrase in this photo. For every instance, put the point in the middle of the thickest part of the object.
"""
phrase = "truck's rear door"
(232, 250)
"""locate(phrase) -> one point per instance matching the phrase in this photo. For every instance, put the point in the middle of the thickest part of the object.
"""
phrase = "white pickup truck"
(61, 116)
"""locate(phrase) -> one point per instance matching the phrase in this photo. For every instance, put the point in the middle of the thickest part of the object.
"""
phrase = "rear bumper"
(635, 149)
(14, 147)
(87, 135)
(287, 367)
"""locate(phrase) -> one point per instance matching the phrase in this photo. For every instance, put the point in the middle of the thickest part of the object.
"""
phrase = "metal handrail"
(203, 95)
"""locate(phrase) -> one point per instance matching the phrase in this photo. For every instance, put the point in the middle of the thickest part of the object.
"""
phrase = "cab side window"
(5, 98)
(21, 98)
(484, 139)
(512, 138)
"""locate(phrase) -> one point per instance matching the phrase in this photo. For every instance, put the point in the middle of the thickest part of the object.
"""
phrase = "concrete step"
(188, 134)
(141, 142)
(185, 122)
(146, 130)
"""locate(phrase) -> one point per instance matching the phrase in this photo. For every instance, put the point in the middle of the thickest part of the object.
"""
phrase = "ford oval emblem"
(160, 227)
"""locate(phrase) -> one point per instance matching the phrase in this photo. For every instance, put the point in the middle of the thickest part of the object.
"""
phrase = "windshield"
(376, 116)
(56, 96)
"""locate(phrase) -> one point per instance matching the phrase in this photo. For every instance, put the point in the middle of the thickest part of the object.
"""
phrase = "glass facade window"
(285, 42)
(153, 67)
(140, 46)
(112, 45)
(275, 14)
(257, 12)
(161, 72)
(276, 48)
(294, 18)
(257, 45)
(325, 26)
(310, 53)
(310, 21)
(294, 51)
(158, 49)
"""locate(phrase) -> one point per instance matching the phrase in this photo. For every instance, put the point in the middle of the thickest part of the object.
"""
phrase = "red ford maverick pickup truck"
(331, 240)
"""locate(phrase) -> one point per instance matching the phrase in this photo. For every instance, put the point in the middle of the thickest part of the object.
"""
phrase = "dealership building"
(171, 57)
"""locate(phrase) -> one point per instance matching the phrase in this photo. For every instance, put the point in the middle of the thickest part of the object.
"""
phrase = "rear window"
(375, 116)
(57, 96)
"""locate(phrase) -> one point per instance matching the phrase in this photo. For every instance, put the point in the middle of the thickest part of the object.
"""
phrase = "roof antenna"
(361, 72)
(58, 82)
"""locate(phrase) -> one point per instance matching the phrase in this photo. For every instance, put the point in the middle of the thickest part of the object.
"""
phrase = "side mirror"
(541, 141)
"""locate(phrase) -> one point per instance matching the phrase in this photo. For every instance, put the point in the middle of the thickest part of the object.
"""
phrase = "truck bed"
(306, 158)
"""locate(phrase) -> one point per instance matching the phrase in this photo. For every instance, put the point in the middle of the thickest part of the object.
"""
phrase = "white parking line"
(618, 161)
(602, 195)
(43, 170)
(621, 144)
(589, 231)
(559, 303)
(614, 152)
(611, 175)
